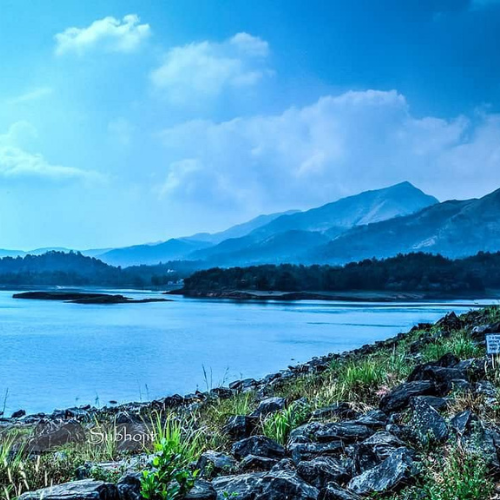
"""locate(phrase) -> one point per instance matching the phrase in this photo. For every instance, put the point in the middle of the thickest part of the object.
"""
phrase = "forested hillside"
(413, 272)
(74, 269)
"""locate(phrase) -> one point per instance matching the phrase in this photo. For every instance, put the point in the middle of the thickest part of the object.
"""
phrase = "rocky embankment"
(430, 432)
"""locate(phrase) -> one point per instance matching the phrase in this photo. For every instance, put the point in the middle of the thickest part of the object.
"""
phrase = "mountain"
(279, 248)
(364, 208)
(239, 230)
(318, 224)
(453, 229)
(11, 253)
(173, 249)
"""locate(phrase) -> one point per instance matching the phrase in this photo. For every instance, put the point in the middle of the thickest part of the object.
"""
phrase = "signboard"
(493, 344)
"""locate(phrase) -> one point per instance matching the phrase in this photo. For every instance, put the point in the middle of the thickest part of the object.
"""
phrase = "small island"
(84, 298)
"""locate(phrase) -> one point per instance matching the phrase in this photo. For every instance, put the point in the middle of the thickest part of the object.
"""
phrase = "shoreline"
(348, 296)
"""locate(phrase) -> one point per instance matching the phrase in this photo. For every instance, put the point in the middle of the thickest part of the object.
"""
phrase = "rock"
(242, 486)
(129, 486)
(480, 332)
(49, 434)
(240, 385)
(385, 476)
(260, 446)
(341, 410)
(322, 470)
(124, 417)
(450, 322)
(202, 490)
(436, 402)
(474, 367)
(252, 462)
(460, 423)
(424, 371)
(304, 433)
(18, 414)
(427, 424)
(284, 465)
(373, 450)
(221, 392)
(483, 441)
(343, 431)
(286, 486)
(308, 451)
(77, 414)
(399, 397)
(77, 490)
(215, 462)
(280, 485)
(132, 438)
(239, 427)
(485, 387)
(370, 420)
(335, 492)
(268, 406)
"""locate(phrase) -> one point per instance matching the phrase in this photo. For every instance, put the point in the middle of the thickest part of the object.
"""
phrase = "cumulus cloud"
(109, 34)
(17, 162)
(337, 146)
(206, 69)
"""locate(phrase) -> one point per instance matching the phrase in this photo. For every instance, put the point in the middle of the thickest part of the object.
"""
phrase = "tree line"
(74, 269)
(411, 272)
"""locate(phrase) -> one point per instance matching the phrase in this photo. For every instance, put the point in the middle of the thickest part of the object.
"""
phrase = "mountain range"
(378, 223)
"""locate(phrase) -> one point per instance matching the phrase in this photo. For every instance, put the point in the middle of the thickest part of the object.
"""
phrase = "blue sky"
(124, 122)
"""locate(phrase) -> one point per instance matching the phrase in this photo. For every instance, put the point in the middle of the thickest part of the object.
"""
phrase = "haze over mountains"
(379, 223)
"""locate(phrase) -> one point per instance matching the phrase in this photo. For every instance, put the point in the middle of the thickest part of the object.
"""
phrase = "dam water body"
(58, 355)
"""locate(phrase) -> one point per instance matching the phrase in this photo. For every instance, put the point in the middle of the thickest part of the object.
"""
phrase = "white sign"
(493, 344)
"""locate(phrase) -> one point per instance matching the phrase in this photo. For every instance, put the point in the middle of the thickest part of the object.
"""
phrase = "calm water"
(56, 355)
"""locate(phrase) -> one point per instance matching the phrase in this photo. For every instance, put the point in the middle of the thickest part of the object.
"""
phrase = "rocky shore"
(84, 298)
(413, 417)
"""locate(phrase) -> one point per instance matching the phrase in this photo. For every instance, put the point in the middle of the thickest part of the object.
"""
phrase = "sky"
(125, 122)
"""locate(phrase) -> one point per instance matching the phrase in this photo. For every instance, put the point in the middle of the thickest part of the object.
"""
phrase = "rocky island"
(84, 298)
(412, 417)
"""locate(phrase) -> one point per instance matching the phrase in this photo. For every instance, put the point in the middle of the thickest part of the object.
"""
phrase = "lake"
(57, 355)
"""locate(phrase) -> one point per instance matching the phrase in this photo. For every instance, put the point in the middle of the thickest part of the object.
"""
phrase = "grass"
(452, 475)
(180, 437)
(458, 344)
(278, 426)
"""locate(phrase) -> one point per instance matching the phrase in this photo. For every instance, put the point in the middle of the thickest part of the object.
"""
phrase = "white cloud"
(337, 146)
(109, 34)
(206, 69)
(32, 95)
(17, 162)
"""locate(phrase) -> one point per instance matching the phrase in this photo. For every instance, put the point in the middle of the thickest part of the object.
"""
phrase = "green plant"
(459, 475)
(169, 478)
(278, 425)
(176, 446)
(181, 438)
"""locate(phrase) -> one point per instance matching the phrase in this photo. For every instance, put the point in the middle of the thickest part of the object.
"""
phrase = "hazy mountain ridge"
(278, 237)
(453, 229)
(316, 225)
(364, 208)
(173, 249)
